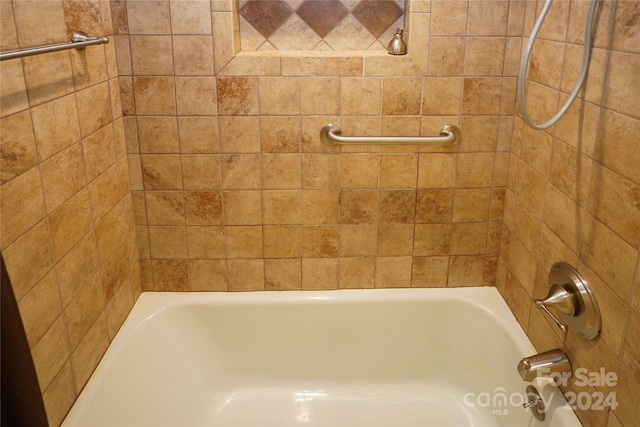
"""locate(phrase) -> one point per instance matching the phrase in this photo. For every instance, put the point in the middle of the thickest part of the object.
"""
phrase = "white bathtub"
(411, 357)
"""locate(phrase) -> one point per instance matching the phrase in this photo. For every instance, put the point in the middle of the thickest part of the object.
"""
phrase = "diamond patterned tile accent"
(266, 16)
(322, 15)
(377, 15)
(301, 25)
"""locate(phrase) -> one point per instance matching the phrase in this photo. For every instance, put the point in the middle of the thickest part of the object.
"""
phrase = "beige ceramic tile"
(47, 77)
(393, 272)
(320, 95)
(615, 202)
(432, 239)
(149, 17)
(434, 206)
(320, 241)
(358, 240)
(446, 56)
(190, 17)
(158, 134)
(358, 170)
(281, 207)
(442, 95)
(70, 223)
(239, 134)
(243, 207)
(608, 256)
(356, 273)
(484, 56)
(283, 274)
(196, 96)
(169, 242)
(471, 205)
(99, 152)
(154, 95)
(164, 208)
(198, 135)
(83, 311)
(29, 259)
(244, 242)
(319, 273)
(320, 207)
(280, 134)
(397, 206)
(192, 55)
(18, 145)
(398, 170)
(436, 170)
(89, 352)
(208, 275)
(358, 207)
(201, 172)
(429, 272)
(56, 125)
(40, 308)
(118, 309)
(13, 95)
(480, 133)
(60, 395)
(481, 95)
(449, 17)
(487, 18)
(361, 96)
(203, 207)
(282, 241)
(240, 171)
(245, 275)
(401, 96)
(279, 95)
(237, 96)
(468, 238)
(50, 354)
(63, 176)
(395, 240)
(475, 170)
(170, 275)
(22, 204)
(161, 172)
(319, 172)
(206, 242)
(151, 55)
(536, 150)
(281, 171)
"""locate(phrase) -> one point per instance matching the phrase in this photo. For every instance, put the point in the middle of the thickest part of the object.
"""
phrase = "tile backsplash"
(184, 156)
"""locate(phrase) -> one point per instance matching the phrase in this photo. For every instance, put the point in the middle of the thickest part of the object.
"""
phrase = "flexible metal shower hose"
(525, 65)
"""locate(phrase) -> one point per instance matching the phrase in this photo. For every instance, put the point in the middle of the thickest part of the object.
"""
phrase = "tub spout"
(545, 365)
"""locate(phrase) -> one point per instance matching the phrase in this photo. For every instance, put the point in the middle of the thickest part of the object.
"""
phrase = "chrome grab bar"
(79, 40)
(332, 135)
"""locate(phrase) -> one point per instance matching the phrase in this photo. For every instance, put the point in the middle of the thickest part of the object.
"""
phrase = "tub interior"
(312, 360)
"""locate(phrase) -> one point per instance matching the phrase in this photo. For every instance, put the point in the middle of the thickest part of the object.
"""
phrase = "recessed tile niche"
(318, 25)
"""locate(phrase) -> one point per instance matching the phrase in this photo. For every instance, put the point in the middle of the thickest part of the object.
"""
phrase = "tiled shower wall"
(233, 190)
(67, 227)
(573, 195)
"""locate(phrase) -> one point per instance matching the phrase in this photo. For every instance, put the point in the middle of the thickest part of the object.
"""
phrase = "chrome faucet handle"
(542, 306)
(561, 300)
(574, 304)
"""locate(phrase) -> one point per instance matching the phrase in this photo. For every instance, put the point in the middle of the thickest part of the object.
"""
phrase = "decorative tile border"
(231, 60)
(318, 25)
